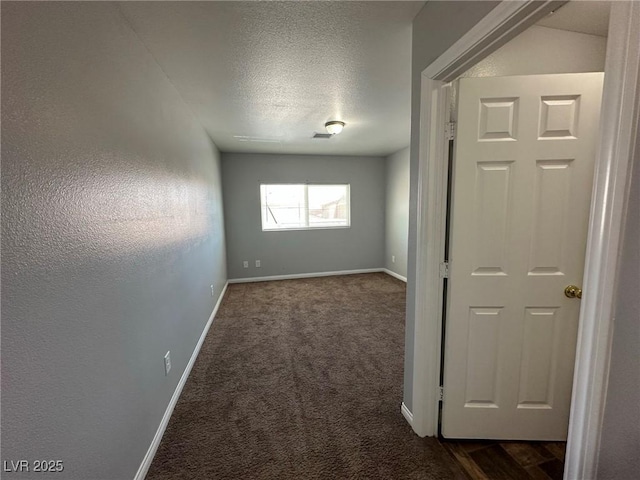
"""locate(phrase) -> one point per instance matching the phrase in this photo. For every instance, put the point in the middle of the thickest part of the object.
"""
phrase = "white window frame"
(306, 202)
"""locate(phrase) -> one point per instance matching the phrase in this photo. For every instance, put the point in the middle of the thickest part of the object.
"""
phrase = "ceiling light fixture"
(334, 127)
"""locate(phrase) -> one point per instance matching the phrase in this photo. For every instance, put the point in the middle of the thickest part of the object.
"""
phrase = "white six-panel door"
(522, 178)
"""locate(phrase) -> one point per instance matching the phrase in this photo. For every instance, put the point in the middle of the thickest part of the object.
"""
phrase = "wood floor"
(491, 460)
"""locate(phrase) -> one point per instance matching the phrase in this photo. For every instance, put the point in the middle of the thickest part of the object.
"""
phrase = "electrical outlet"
(213, 292)
(258, 263)
(245, 264)
(393, 259)
(167, 363)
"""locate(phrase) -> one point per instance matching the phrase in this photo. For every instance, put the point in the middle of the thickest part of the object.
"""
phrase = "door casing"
(617, 137)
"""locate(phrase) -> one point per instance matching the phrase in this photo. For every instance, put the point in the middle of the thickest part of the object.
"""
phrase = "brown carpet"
(301, 379)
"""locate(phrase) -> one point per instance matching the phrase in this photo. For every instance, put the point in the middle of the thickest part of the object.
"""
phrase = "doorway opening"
(519, 189)
(612, 161)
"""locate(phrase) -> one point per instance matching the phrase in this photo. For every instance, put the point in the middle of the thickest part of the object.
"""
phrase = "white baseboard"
(304, 275)
(155, 443)
(394, 274)
(316, 274)
(406, 413)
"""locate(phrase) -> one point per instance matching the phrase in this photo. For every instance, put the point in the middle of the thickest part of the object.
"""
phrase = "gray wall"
(536, 51)
(620, 442)
(302, 251)
(112, 233)
(397, 212)
(435, 28)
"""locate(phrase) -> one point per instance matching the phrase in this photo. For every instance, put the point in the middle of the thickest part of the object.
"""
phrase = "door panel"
(539, 358)
(482, 362)
(493, 192)
(519, 214)
(550, 218)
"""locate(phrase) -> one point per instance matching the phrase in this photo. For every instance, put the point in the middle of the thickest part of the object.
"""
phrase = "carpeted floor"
(301, 379)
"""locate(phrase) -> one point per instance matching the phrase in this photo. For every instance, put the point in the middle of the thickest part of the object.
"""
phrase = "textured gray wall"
(112, 233)
(302, 251)
(620, 443)
(397, 211)
(435, 28)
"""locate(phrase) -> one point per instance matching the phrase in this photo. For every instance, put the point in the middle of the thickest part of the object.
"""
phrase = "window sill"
(304, 229)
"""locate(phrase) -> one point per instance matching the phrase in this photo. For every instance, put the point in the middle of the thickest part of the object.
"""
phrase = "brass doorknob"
(573, 292)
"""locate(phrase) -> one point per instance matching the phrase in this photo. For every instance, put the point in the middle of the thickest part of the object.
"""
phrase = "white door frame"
(618, 130)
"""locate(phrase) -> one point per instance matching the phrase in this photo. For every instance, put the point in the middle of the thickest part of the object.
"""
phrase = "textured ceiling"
(580, 16)
(264, 76)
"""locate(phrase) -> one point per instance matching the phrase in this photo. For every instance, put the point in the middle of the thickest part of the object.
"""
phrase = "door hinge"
(440, 393)
(450, 130)
(444, 270)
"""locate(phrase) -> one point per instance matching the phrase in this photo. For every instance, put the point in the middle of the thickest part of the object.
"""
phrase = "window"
(302, 207)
